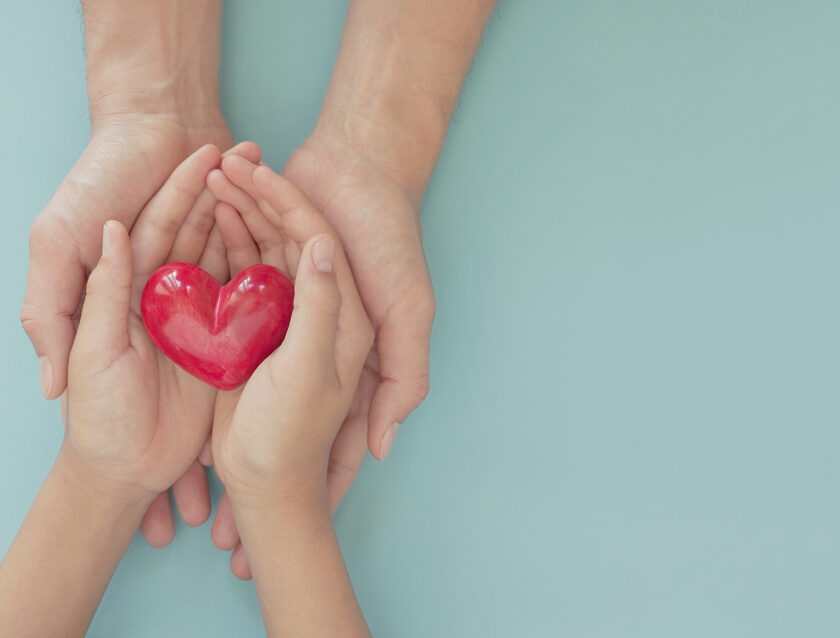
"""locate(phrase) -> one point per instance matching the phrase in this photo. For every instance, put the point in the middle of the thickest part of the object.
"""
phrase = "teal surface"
(633, 232)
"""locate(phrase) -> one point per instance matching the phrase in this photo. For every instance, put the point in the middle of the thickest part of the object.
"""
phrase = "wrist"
(114, 92)
(295, 491)
(97, 489)
(152, 57)
(398, 139)
(278, 509)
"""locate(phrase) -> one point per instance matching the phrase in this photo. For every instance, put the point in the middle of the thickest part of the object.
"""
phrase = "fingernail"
(388, 440)
(46, 372)
(322, 254)
(106, 239)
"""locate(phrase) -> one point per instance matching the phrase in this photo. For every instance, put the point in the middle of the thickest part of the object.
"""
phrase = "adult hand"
(397, 77)
(135, 420)
(152, 84)
(127, 161)
(272, 437)
(376, 216)
(264, 218)
(313, 375)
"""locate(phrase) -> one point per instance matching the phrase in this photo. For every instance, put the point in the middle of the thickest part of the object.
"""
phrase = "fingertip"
(265, 179)
(387, 441)
(195, 513)
(323, 253)
(210, 152)
(216, 181)
(158, 525)
(247, 149)
(52, 341)
(223, 532)
(236, 163)
(392, 402)
(192, 495)
(205, 457)
(158, 537)
(106, 238)
(239, 564)
(114, 238)
(47, 377)
(264, 172)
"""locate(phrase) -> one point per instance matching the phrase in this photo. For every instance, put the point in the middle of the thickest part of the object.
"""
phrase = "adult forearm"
(396, 81)
(57, 569)
(298, 569)
(155, 56)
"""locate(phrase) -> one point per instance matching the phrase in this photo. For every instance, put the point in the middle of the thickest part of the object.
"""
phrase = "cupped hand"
(261, 431)
(128, 159)
(135, 421)
(375, 213)
(126, 162)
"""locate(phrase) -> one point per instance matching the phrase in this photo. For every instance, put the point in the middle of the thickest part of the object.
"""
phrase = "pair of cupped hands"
(137, 424)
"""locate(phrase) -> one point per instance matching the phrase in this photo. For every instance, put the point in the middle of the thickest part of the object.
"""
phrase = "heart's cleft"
(219, 334)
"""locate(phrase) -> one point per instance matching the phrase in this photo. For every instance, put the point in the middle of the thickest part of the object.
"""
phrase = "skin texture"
(153, 97)
(129, 431)
(365, 166)
(274, 463)
(122, 447)
(153, 91)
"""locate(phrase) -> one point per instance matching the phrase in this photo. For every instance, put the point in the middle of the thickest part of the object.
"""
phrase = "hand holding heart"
(281, 430)
(136, 421)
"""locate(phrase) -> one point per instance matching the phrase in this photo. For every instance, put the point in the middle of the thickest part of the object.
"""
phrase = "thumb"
(53, 289)
(317, 303)
(105, 311)
(402, 346)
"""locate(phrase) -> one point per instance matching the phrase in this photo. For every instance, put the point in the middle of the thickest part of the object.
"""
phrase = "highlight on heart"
(218, 333)
(206, 310)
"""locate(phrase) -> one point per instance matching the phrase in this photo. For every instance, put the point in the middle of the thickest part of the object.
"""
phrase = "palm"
(378, 224)
(275, 249)
(183, 405)
(127, 161)
(123, 166)
(157, 416)
(175, 225)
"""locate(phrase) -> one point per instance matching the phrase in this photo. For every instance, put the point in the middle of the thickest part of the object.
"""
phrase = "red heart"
(219, 334)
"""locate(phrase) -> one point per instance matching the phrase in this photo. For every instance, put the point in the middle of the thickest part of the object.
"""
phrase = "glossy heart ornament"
(219, 334)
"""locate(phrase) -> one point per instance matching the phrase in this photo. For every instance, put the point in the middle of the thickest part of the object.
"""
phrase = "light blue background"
(633, 230)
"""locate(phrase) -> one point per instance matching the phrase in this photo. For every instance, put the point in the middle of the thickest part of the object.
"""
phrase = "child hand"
(135, 421)
(272, 438)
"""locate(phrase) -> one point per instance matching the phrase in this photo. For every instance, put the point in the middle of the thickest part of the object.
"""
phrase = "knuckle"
(339, 469)
(420, 389)
(41, 230)
(167, 226)
(29, 315)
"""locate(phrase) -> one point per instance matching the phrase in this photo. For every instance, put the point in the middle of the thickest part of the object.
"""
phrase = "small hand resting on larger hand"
(130, 435)
(272, 438)
(263, 218)
(134, 421)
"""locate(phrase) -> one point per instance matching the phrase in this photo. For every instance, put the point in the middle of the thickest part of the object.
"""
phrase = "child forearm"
(56, 571)
(302, 584)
